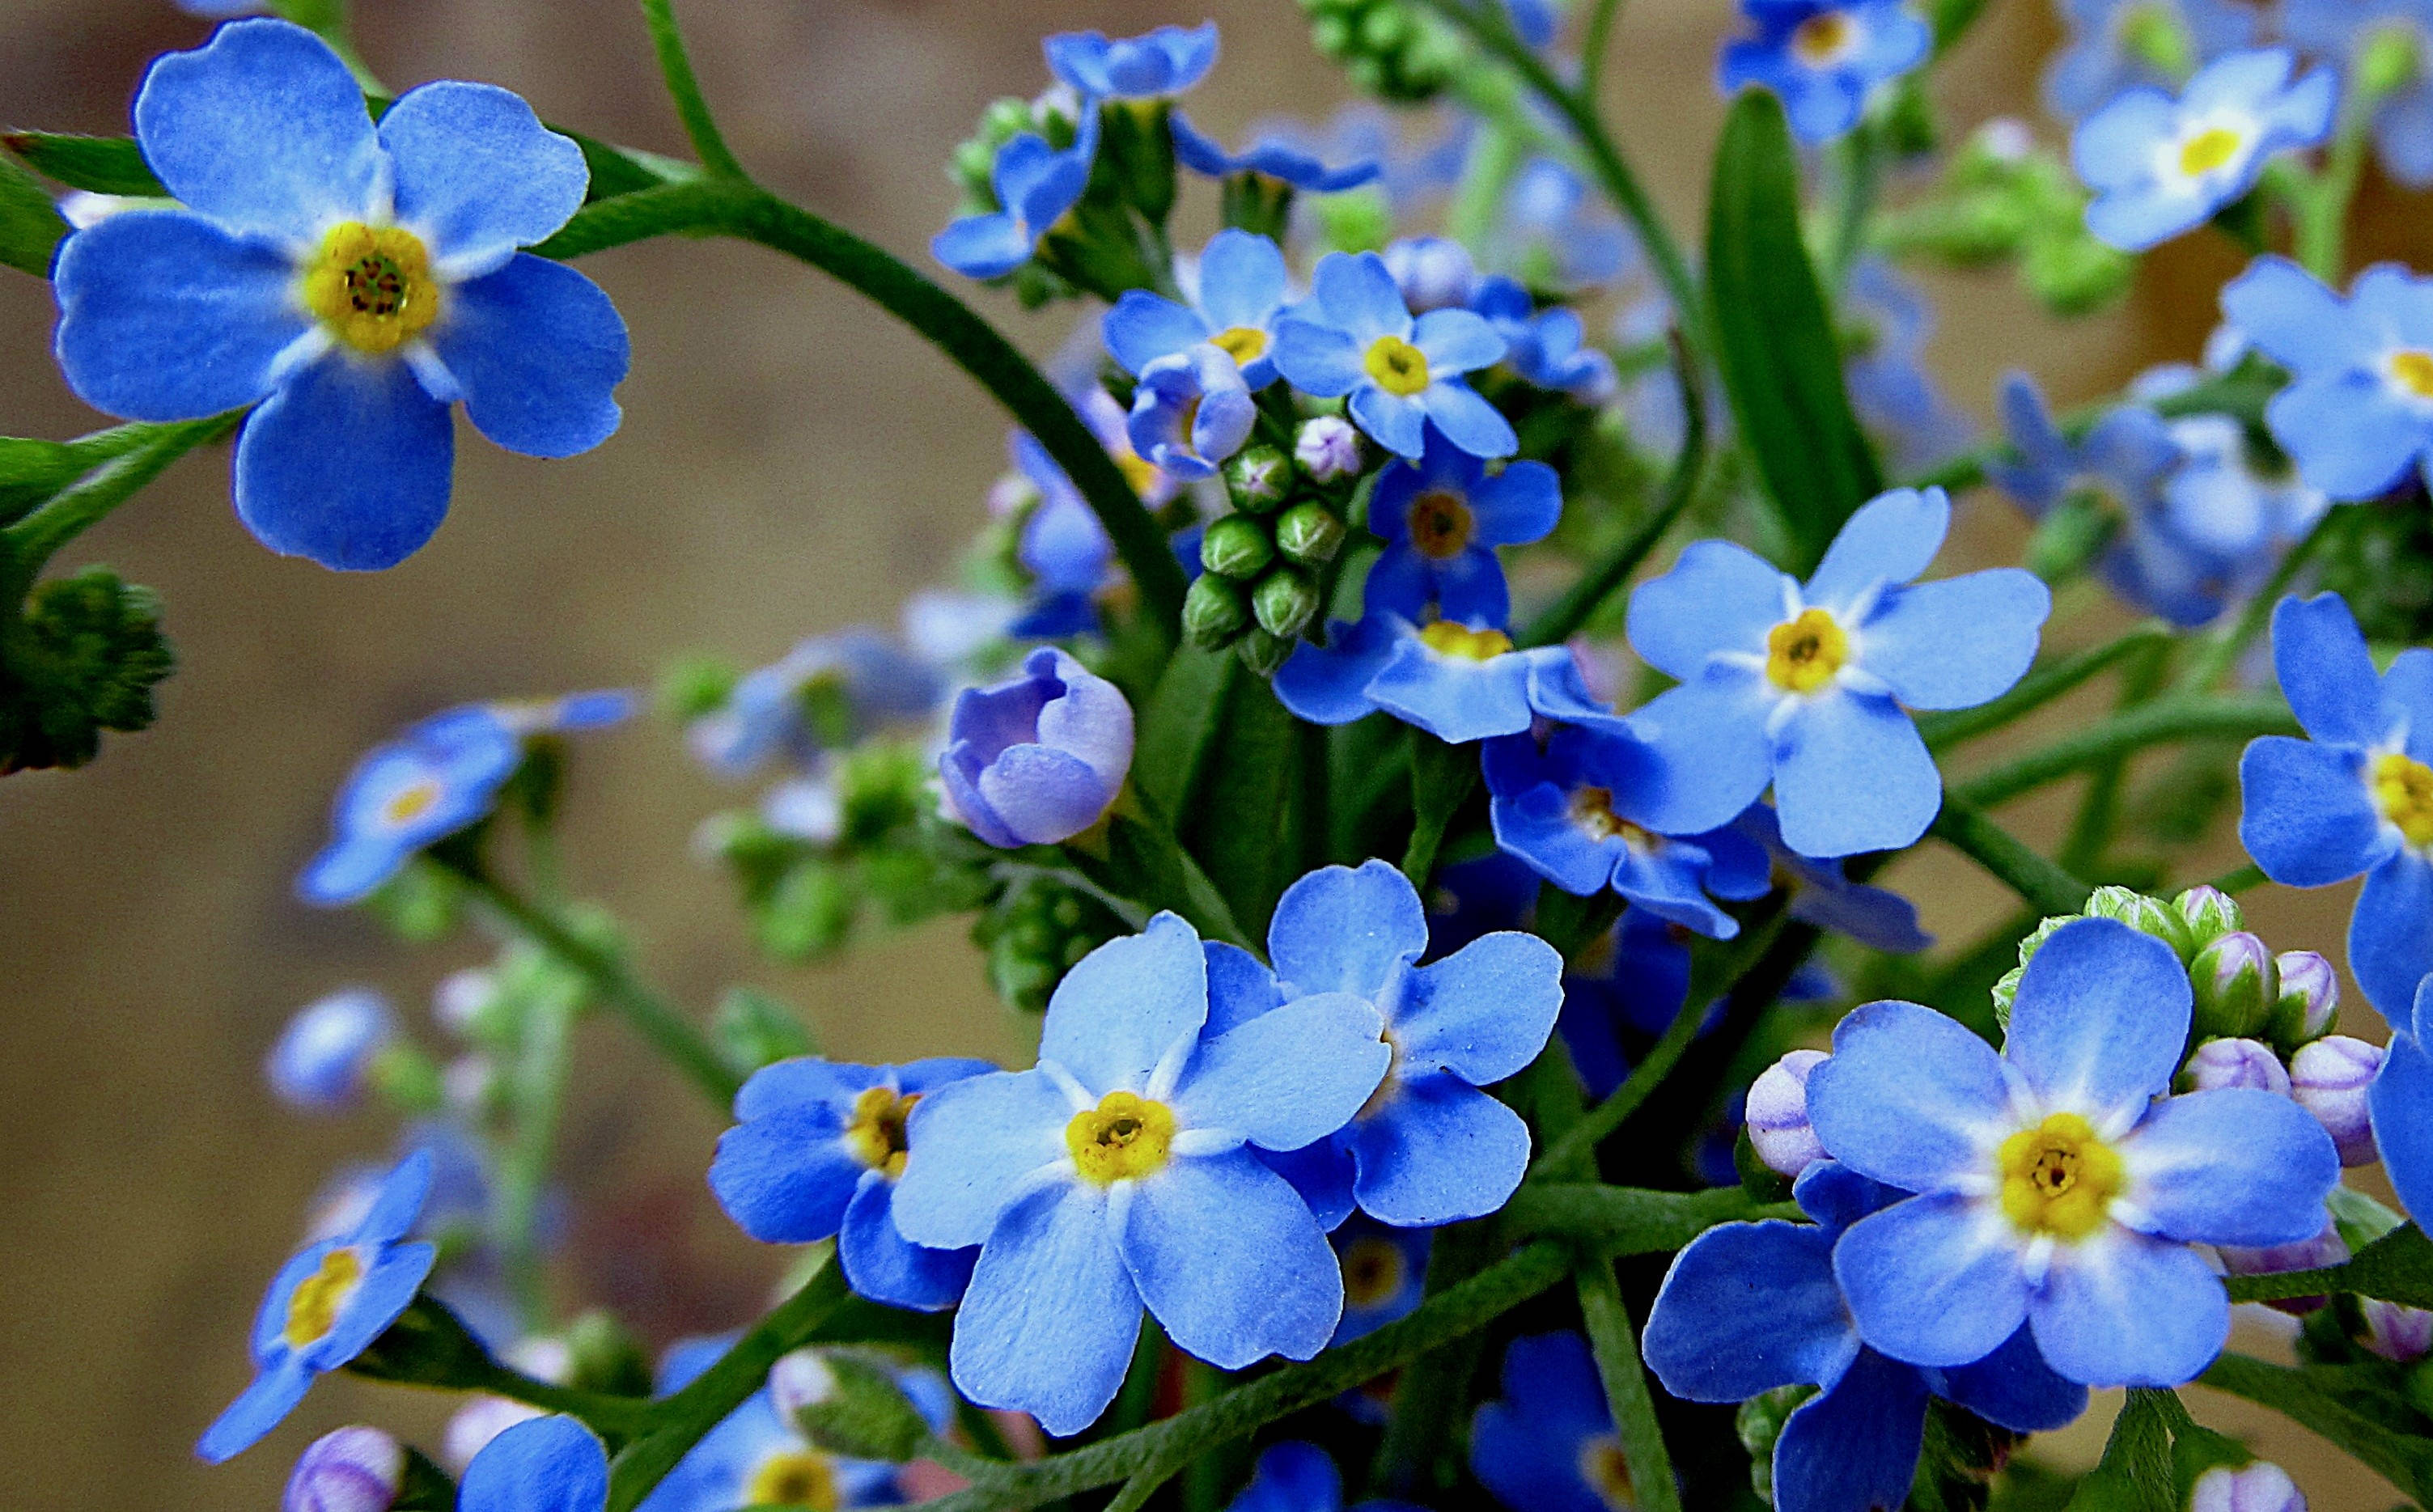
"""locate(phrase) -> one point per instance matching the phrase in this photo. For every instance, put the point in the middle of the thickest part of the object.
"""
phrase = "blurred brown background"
(791, 462)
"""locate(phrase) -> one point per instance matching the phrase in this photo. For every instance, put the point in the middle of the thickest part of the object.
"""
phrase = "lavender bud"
(2329, 1078)
(2235, 984)
(354, 1470)
(2256, 1487)
(1433, 272)
(2220, 1063)
(1328, 448)
(1778, 1114)
(2309, 1000)
(2210, 913)
(2397, 1332)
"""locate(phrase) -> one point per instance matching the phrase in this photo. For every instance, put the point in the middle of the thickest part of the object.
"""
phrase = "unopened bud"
(355, 1470)
(1309, 535)
(1759, 1426)
(323, 1060)
(2329, 1078)
(2388, 62)
(848, 1406)
(1285, 602)
(2256, 1487)
(2144, 914)
(2400, 1333)
(2220, 1063)
(603, 1355)
(1213, 611)
(2235, 985)
(2154, 36)
(463, 1000)
(2210, 913)
(1258, 477)
(1263, 653)
(2309, 1001)
(1328, 448)
(1778, 1114)
(1237, 546)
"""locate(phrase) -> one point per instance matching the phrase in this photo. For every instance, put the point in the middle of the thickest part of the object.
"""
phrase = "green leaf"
(30, 226)
(1179, 726)
(2397, 1267)
(101, 166)
(32, 472)
(1236, 826)
(1774, 336)
(2135, 1471)
(2306, 1397)
(1441, 779)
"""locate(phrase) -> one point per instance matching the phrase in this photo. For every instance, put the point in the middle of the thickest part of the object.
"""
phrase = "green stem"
(1626, 1387)
(29, 544)
(2098, 807)
(538, 1094)
(2178, 718)
(684, 88)
(2039, 687)
(2045, 885)
(613, 1416)
(752, 214)
(1429, 1396)
(1592, 47)
(2219, 651)
(1202, 1486)
(1625, 1220)
(2321, 213)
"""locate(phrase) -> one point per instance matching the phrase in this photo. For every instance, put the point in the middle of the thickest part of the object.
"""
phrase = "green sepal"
(98, 165)
(83, 659)
(1133, 136)
(2135, 1473)
(31, 227)
(862, 1414)
(753, 1030)
(423, 1486)
(427, 1346)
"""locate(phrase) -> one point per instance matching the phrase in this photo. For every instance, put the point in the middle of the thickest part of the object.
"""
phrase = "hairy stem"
(684, 88)
(1625, 1386)
(2164, 720)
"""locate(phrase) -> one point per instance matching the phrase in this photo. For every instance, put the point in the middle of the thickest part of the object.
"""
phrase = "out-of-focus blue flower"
(357, 1468)
(1168, 60)
(1750, 1307)
(2401, 1104)
(1428, 1146)
(1825, 59)
(547, 1465)
(1441, 518)
(2056, 1184)
(2344, 32)
(1547, 348)
(1896, 398)
(1822, 895)
(816, 1153)
(1810, 687)
(1459, 682)
(1613, 1007)
(1355, 337)
(2356, 796)
(2115, 45)
(1431, 272)
(2358, 411)
(1554, 234)
(1242, 288)
(1192, 411)
(324, 1056)
(1034, 185)
(2160, 166)
(326, 1306)
(1062, 546)
(1118, 1174)
(1271, 156)
(1037, 759)
(828, 691)
(1298, 1477)
(216, 8)
(756, 1456)
(352, 281)
(1548, 1443)
(1385, 1274)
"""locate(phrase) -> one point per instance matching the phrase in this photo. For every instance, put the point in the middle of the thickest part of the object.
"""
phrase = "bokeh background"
(791, 462)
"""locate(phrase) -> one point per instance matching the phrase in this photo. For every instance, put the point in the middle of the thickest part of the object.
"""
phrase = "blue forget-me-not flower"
(1157, 63)
(1548, 1444)
(324, 1056)
(1191, 411)
(352, 281)
(552, 1464)
(1271, 156)
(2349, 33)
(2117, 44)
(829, 691)
(1034, 184)
(1556, 233)
(1242, 290)
(1820, 894)
(2357, 413)
(1385, 1274)
(1441, 517)
(2055, 1182)
(2355, 797)
(1895, 396)
(1038, 758)
(1459, 682)
(1824, 58)
(2160, 166)
(1809, 687)
(1356, 336)
(1547, 347)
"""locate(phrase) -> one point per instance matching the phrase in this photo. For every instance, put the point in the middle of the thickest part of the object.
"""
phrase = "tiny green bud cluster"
(2005, 197)
(1261, 590)
(1391, 48)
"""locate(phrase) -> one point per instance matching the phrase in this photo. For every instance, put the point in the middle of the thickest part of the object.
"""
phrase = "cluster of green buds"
(81, 658)
(2003, 198)
(1034, 931)
(1265, 561)
(1391, 48)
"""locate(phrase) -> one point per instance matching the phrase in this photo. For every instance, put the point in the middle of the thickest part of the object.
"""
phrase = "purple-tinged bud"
(462, 999)
(322, 1062)
(2323, 1249)
(2210, 913)
(354, 1470)
(2256, 1487)
(1778, 1114)
(2310, 998)
(2220, 1063)
(2329, 1078)
(1433, 272)
(2235, 985)
(1328, 448)
(2400, 1333)
(1039, 758)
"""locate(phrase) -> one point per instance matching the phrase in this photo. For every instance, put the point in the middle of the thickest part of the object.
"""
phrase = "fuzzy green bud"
(1258, 477)
(1237, 546)
(2008, 988)
(2388, 62)
(809, 914)
(606, 1356)
(2210, 913)
(697, 686)
(1214, 612)
(848, 1404)
(1285, 602)
(1309, 535)
(2146, 915)
(1358, 221)
(1263, 653)
(2154, 34)
(2235, 985)
(2072, 273)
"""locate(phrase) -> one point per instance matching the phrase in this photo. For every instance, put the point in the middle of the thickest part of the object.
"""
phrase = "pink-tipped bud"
(2396, 1331)
(2237, 985)
(2256, 1487)
(1778, 1114)
(354, 1470)
(1328, 448)
(2210, 913)
(2329, 1078)
(2310, 998)
(2220, 1063)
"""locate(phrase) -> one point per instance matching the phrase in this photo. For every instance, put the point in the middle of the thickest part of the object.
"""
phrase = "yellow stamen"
(1822, 38)
(372, 287)
(312, 1308)
(1123, 1138)
(1606, 1469)
(1802, 654)
(798, 1477)
(1397, 366)
(2059, 1177)
(2403, 789)
(1440, 525)
(2413, 371)
(1243, 343)
(1591, 810)
(875, 1133)
(410, 802)
(1373, 1271)
(2209, 150)
(1448, 637)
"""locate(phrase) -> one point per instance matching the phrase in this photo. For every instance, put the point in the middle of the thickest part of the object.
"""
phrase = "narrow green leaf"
(32, 472)
(2406, 1460)
(30, 226)
(1237, 824)
(1179, 726)
(2397, 1267)
(1774, 337)
(102, 165)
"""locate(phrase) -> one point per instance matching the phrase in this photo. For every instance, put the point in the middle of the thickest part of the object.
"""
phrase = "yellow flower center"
(411, 802)
(1591, 810)
(1820, 39)
(2403, 789)
(1243, 343)
(794, 1477)
(2209, 149)
(1448, 637)
(1397, 366)
(1138, 470)
(1606, 1469)
(1373, 1271)
(2059, 1177)
(1802, 654)
(2413, 371)
(876, 1132)
(1123, 1138)
(312, 1308)
(1440, 525)
(372, 287)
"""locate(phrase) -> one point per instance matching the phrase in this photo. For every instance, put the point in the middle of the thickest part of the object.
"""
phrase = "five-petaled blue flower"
(1429, 1146)
(1270, 157)
(1459, 682)
(2055, 1182)
(1242, 289)
(2358, 798)
(818, 1152)
(1548, 1444)
(2161, 166)
(1298, 1477)
(551, 1464)
(1191, 411)
(1824, 58)
(1805, 685)
(1164, 61)
(326, 1306)
(2117, 44)
(2357, 413)
(1034, 184)
(2346, 32)
(1442, 516)
(1356, 336)
(1554, 234)
(1546, 348)
(1749, 1307)
(1118, 1173)
(353, 280)
(1038, 758)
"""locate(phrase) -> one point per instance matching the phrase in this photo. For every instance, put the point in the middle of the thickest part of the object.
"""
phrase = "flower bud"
(2397, 1332)
(322, 1062)
(473, 1426)
(1778, 1114)
(2210, 913)
(2329, 1077)
(462, 999)
(1309, 535)
(2388, 62)
(848, 1405)
(1285, 602)
(2220, 1063)
(1258, 478)
(1263, 653)
(1759, 1426)
(2309, 1001)
(2256, 1487)
(2235, 985)
(1328, 448)
(1214, 611)
(355, 1470)
(1237, 546)
(1433, 272)
(1074, 735)
(2144, 914)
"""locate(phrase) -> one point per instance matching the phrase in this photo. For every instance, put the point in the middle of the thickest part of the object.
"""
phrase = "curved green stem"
(1592, 47)
(1624, 1379)
(684, 88)
(613, 1416)
(753, 214)
(2163, 720)
(2042, 883)
(536, 1093)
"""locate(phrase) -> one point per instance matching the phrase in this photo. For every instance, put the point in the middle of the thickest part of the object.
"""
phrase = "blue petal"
(1242, 280)
(2014, 1388)
(1526, 1448)
(1467, 419)
(1231, 1262)
(398, 1202)
(1317, 359)
(881, 1263)
(1518, 505)
(1292, 1477)
(1398, 424)
(1041, 795)
(982, 246)
(1329, 685)
(2293, 318)
(1909, 1098)
(539, 351)
(1321, 1172)
(1116, 1015)
(1891, 538)
(1457, 341)
(1958, 642)
(1933, 1281)
(2391, 934)
(1047, 1325)
(264, 130)
(165, 316)
(2236, 1165)
(1484, 1012)
(478, 175)
(2100, 1018)
(2119, 1309)
(1749, 1307)
(2401, 1100)
(975, 1145)
(2351, 437)
(1441, 1151)
(1718, 596)
(1850, 774)
(2305, 815)
(1856, 1445)
(1712, 755)
(1837, 1197)
(1144, 327)
(808, 1082)
(265, 1402)
(1240, 988)
(2320, 658)
(1453, 698)
(546, 1464)
(786, 1176)
(348, 463)
(1534, 823)
(1359, 297)
(1342, 930)
(1289, 1077)
(351, 868)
